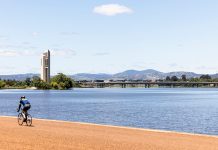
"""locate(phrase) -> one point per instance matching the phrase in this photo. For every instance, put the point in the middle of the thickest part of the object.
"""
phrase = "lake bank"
(54, 135)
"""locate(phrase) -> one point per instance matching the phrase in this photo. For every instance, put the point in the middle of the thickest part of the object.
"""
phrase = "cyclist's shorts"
(26, 107)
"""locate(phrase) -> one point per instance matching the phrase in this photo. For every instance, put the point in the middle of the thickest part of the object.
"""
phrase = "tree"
(174, 78)
(10, 83)
(206, 77)
(36, 81)
(54, 85)
(167, 78)
(43, 85)
(39, 84)
(194, 80)
(184, 77)
(61, 81)
(28, 81)
(2, 84)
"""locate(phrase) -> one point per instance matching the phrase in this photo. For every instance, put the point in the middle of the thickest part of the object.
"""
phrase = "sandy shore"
(75, 136)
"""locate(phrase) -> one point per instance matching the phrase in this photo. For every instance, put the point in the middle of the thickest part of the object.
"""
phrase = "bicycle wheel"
(29, 120)
(20, 119)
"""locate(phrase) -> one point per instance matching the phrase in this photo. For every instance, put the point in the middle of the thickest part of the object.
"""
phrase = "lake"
(193, 110)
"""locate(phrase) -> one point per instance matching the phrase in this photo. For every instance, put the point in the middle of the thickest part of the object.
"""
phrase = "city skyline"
(109, 36)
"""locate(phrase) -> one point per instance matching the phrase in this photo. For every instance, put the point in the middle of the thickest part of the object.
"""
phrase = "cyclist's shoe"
(24, 120)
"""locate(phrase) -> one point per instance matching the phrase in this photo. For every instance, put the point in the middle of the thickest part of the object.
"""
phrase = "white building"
(45, 67)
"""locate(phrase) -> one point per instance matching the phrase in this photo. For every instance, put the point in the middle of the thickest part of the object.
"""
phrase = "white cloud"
(69, 33)
(206, 68)
(12, 53)
(35, 34)
(64, 52)
(55, 52)
(172, 65)
(21, 47)
(8, 53)
(101, 54)
(112, 9)
(3, 38)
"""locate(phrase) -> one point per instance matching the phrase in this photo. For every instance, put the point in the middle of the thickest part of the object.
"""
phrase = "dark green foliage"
(28, 81)
(207, 77)
(194, 80)
(184, 78)
(62, 82)
(167, 78)
(59, 81)
(2, 84)
(42, 85)
(174, 78)
(10, 82)
(39, 84)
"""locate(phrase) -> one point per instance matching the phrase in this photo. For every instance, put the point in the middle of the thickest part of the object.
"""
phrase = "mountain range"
(148, 74)
(18, 77)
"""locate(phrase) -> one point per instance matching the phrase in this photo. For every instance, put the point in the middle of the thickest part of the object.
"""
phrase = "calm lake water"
(186, 110)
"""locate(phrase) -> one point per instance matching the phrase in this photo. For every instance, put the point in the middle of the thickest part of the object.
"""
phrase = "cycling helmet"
(22, 97)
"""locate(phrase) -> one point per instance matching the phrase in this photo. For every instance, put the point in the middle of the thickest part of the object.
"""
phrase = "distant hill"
(148, 74)
(88, 76)
(18, 77)
(214, 75)
(138, 75)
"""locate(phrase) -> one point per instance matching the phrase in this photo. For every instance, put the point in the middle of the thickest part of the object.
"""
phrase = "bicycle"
(21, 119)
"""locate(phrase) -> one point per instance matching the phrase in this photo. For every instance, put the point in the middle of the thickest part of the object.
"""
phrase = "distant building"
(45, 66)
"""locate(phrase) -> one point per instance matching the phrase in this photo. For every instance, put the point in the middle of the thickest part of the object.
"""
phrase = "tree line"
(63, 82)
(202, 78)
(59, 82)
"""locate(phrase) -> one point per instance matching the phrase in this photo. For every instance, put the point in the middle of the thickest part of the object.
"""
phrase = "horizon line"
(110, 73)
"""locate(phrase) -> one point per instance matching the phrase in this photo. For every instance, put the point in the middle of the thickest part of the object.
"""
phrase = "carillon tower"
(45, 67)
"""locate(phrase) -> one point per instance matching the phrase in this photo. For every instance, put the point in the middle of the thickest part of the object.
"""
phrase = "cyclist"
(26, 106)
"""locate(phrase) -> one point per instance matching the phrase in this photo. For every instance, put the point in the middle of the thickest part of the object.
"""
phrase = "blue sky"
(109, 36)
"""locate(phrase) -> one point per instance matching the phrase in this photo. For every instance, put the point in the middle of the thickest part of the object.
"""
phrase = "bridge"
(148, 84)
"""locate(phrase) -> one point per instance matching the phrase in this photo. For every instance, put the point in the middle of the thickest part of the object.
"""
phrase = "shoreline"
(57, 134)
(35, 89)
